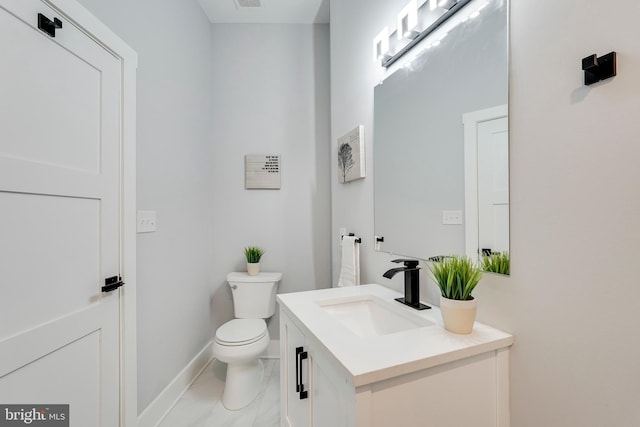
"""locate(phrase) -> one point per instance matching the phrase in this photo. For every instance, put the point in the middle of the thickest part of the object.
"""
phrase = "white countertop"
(372, 359)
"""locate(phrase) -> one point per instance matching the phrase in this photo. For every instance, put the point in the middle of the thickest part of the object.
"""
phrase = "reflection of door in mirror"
(493, 186)
(486, 181)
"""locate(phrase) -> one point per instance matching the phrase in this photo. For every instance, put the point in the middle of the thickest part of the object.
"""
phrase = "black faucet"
(411, 283)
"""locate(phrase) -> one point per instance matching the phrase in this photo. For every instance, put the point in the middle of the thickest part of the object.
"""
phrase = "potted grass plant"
(457, 276)
(253, 255)
(497, 262)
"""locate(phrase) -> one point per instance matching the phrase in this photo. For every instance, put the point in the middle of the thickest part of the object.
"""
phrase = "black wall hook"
(598, 68)
(48, 26)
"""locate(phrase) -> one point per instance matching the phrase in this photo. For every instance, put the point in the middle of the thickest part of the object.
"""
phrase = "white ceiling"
(270, 12)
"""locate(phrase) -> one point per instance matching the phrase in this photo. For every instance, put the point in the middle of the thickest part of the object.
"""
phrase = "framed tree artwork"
(351, 155)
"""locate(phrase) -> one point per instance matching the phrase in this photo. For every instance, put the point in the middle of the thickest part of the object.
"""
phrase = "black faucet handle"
(409, 263)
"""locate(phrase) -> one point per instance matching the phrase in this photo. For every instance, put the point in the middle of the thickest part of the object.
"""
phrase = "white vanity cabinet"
(423, 377)
(312, 391)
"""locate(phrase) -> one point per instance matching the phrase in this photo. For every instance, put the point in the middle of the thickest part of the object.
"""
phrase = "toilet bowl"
(240, 342)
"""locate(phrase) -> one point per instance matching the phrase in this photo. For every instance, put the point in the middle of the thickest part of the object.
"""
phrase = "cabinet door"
(294, 409)
(333, 399)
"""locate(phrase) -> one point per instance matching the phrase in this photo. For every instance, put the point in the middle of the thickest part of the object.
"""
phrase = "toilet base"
(243, 383)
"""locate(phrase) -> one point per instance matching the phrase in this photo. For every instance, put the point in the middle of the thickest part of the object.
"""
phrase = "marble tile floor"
(201, 404)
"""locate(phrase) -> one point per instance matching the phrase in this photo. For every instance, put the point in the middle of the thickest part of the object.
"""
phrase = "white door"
(493, 185)
(59, 217)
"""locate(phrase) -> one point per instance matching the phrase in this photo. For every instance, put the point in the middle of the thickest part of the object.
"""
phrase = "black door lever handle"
(112, 283)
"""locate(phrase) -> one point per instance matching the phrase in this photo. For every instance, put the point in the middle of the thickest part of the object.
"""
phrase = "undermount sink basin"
(370, 316)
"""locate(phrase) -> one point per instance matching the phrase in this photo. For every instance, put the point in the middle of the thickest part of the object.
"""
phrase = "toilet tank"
(254, 297)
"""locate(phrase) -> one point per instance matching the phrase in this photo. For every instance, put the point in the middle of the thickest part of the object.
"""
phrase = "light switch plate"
(452, 217)
(146, 221)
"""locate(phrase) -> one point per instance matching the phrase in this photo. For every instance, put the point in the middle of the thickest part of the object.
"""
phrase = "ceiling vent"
(248, 3)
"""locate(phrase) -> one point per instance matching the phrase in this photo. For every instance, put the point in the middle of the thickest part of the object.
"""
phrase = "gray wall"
(572, 297)
(271, 96)
(207, 95)
(174, 152)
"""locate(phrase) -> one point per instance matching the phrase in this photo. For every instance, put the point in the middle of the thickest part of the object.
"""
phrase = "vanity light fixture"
(381, 46)
(408, 21)
(407, 27)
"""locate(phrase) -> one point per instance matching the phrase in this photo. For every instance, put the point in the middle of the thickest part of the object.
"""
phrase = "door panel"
(68, 93)
(71, 360)
(48, 245)
(83, 353)
(493, 184)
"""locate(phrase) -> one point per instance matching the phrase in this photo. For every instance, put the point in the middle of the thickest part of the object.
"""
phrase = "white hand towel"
(350, 268)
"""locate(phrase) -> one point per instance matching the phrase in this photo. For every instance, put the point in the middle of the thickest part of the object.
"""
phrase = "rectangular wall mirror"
(441, 155)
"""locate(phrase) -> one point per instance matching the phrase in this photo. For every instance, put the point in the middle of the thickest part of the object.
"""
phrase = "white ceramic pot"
(458, 315)
(253, 268)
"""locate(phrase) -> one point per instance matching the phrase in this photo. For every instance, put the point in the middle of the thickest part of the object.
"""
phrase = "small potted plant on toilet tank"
(253, 255)
(457, 276)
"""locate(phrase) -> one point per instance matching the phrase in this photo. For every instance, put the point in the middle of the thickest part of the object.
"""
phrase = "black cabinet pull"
(298, 351)
(300, 356)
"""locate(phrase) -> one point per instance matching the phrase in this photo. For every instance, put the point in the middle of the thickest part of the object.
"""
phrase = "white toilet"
(240, 341)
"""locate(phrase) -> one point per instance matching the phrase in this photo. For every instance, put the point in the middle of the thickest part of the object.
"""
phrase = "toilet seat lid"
(241, 331)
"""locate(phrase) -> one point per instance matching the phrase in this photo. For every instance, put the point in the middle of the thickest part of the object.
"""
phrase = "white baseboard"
(161, 405)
